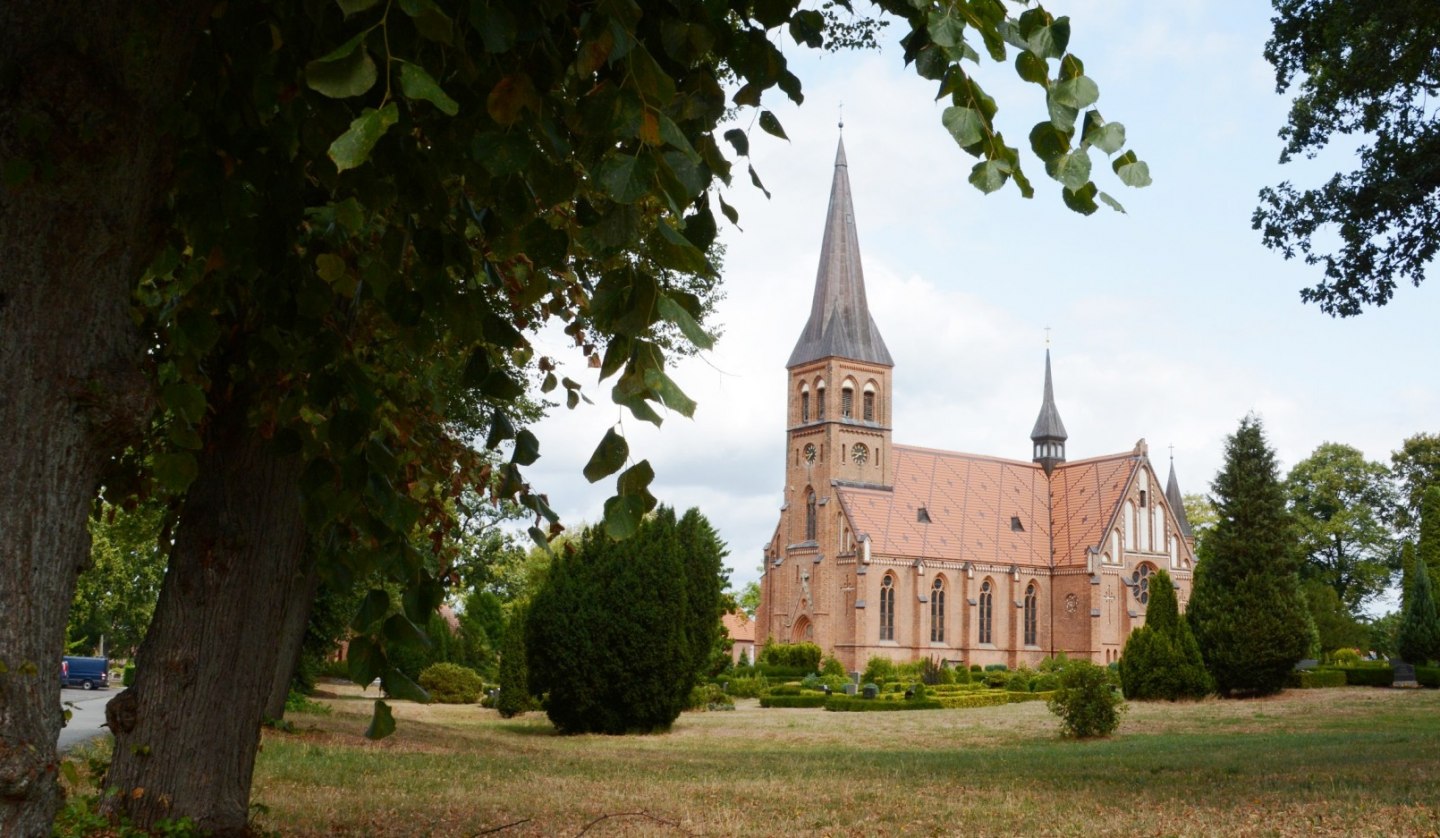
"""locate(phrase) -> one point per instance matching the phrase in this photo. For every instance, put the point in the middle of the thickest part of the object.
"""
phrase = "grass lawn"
(1353, 760)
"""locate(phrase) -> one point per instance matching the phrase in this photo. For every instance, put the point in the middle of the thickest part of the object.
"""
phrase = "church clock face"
(859, 454)
(810, 453)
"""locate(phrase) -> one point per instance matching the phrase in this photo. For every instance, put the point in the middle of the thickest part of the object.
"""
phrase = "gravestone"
(1404, 674)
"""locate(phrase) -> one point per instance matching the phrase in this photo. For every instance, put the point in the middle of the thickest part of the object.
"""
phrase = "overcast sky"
(1169, 322)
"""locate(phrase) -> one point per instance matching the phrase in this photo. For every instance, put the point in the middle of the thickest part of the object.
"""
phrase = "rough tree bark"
(83, 87)
(292, 641)
(187, 731)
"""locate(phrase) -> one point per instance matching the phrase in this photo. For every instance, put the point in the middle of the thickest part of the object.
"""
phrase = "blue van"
(88, 673)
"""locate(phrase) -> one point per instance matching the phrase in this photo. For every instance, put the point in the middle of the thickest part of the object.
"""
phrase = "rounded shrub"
(451, 683)
(879, 670)
(1086, 702)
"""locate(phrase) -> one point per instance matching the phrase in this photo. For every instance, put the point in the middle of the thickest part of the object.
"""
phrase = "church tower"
(839, 417)
(1049, 434)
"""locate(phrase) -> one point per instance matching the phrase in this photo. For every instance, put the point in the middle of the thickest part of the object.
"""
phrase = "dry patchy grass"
(1316, 762)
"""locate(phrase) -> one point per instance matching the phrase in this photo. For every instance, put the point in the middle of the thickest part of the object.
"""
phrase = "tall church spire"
(840, 324)
(1177, 501)
(1049, 434)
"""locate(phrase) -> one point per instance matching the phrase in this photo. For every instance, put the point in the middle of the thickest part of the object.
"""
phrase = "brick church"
(904, 552)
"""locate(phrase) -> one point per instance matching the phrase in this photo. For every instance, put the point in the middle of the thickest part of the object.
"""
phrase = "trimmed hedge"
(787, 701)
(1017, 698)
(451, 683)
(784, 673)
(1428, 676)
(974, 698)
(1310, 679)
(1364, 676)
(845, 703)
(944, 689)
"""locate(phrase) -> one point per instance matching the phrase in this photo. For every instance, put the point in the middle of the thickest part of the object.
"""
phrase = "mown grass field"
(1347, 761)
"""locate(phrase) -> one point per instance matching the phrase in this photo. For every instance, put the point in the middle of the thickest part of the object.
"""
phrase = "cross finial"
(1047, 337)
(842, 116)
(1172, 452)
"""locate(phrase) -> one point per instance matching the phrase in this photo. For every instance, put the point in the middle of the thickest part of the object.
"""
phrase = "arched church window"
(810, 515)
(1031, 615)
(869, 399)
(937, 611)
(887, 607)
(820, 401)
(987, 612)
(1130, 526)
(804, 403)
(847, 402)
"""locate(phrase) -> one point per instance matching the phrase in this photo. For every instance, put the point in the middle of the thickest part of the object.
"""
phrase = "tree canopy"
(1368, 70)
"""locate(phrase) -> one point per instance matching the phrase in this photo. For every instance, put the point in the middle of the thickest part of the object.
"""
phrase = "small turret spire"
(1177, 500)
(1049, 433)
(840, 324)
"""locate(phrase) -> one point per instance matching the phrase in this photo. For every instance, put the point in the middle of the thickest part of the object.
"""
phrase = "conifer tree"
(608, 635)
(1419, 636)
(1247, 612)
(704, 555)
(514, 697)
(1162, 659)
(1428, 548)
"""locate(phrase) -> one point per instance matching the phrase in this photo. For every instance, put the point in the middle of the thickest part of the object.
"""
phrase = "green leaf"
(1050, 41)
(1081, 200)
(737, 138)
(350, 7)
(636, 481)
(373, 607)
(364, 660)
(400, 631)
(175, 470)
(1109, 137)
(966, 125)
(330, 267)
(185, 399)
(398, 685)
(352, 148)
(527, 449)
(1132, 171)
(510, 96)
(770, 125)
(609, 456)
(755, 179)
(1048, 142)
(1072, 170)
(626, 178)
(348, 75)
(729, 211)
(1076, 93)
(382, 722)
(946, 30)
(670, 393)
(676, 139)
(1111, 202)
(416, 83)
(623, 516)
(989, 175)
(1032, 68)
(676, 313)
(430, 21)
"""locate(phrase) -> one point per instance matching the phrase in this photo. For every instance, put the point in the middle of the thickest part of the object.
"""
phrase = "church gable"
(978, 509)
(1087, 496)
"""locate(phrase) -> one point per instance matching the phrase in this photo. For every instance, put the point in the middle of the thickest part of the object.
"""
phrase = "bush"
(784, 673)
(127, 676)
(1055, 665)
(451, 683)
(1366, 676)
(1428, 676)
(972, 698)
(805, 700)
(997, 679)
(832, 667)
(514, 697)
(845, 703)
(975, 667)
(1018, 698)
(751, 687)
(1345, 657)
(1161, 658)
(1086, 703)
(1045, 682)
(996, 667)
(804, 656)
(709, 697)
(836, 683)
(1019, 681)
(878, 671)
(1310, 679)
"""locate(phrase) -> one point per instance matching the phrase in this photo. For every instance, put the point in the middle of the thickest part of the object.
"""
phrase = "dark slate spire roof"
(840, 324)
(1177, 502)
(1048, 425)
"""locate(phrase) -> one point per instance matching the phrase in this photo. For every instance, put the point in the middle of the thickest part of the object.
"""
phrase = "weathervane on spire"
(1172, 452)
(842, 116)
(1047, 337)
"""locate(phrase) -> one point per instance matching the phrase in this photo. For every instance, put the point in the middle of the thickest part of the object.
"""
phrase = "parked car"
(88, 673)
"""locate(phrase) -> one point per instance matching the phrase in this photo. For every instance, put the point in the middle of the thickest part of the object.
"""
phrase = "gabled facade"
(906, 552)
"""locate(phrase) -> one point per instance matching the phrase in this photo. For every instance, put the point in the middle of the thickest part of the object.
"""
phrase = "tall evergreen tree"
(1162, 659)
(608, 636)
(1247, 612)
(514, 697)
(1419, 638)
(1428, 548)
(706, 579)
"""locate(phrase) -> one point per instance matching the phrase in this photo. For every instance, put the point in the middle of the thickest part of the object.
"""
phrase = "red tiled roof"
(739, 627)
(971, 501)
(1086, 494)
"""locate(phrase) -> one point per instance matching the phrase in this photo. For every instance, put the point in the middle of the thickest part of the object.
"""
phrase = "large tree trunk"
(292, 641)
(186, 733)
(82, 88)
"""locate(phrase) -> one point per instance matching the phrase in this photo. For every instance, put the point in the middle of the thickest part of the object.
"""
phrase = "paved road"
(88, 709)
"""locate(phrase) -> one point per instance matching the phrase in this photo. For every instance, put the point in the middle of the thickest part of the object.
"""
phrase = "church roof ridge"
(840, 324)
(967, 455)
